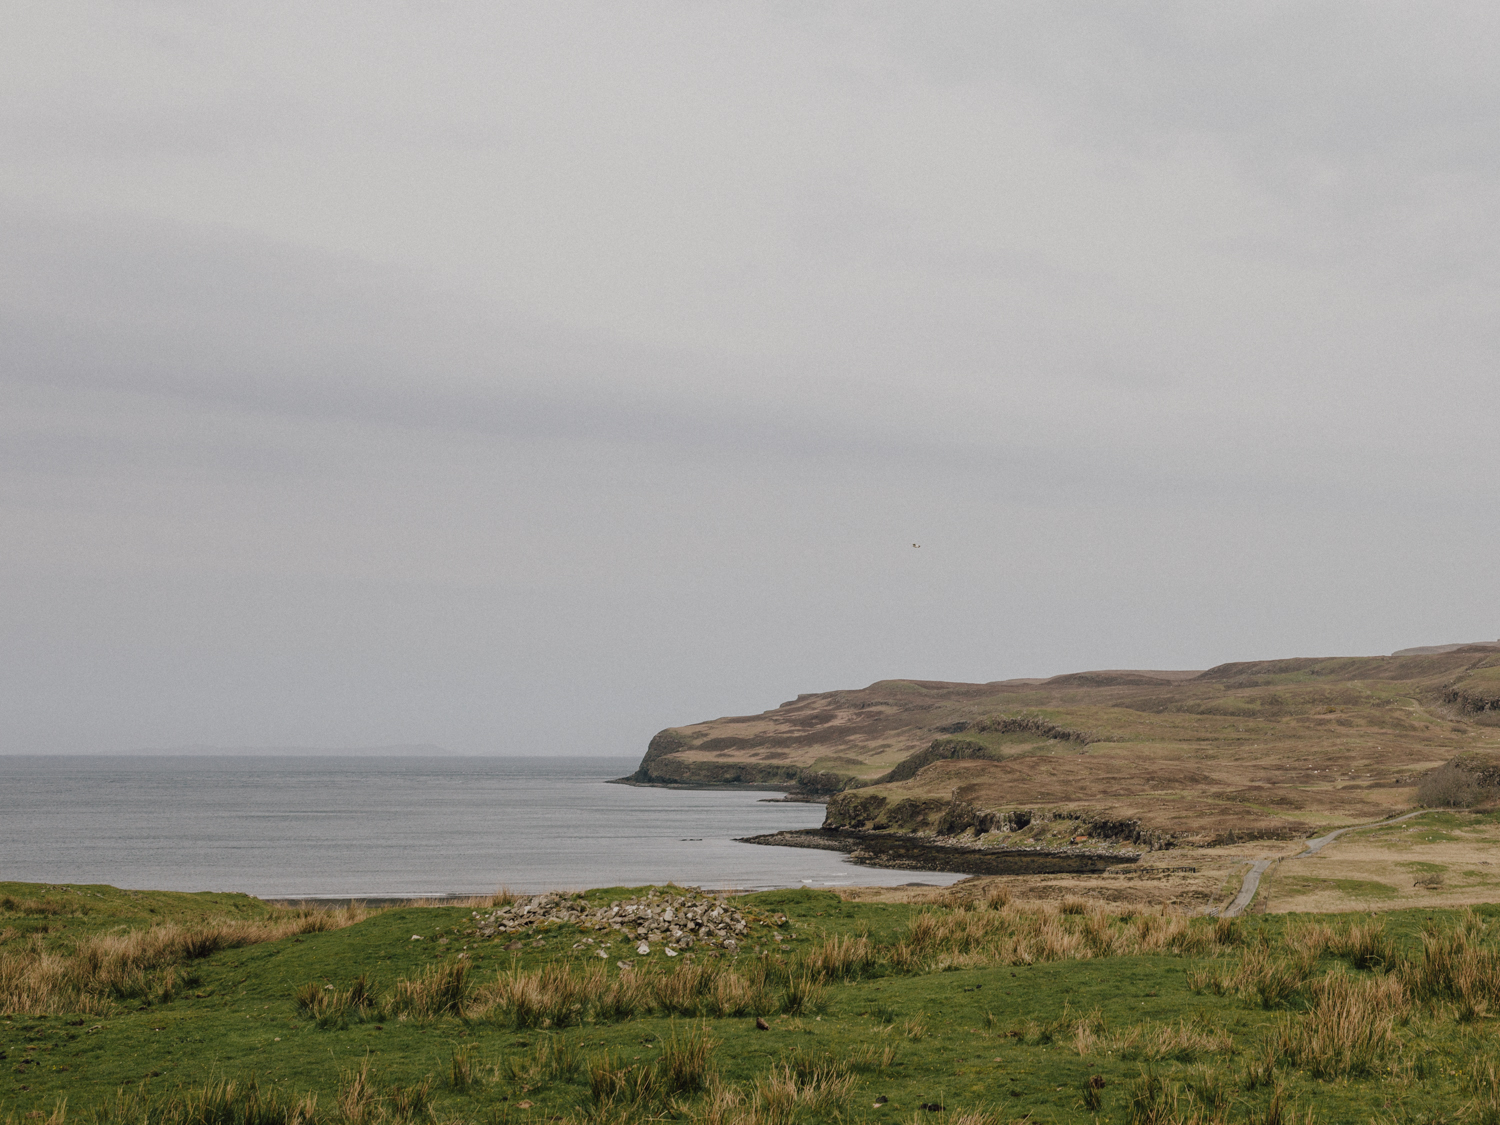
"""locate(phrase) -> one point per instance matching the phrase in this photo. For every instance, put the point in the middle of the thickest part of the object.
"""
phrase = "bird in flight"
(916, 544)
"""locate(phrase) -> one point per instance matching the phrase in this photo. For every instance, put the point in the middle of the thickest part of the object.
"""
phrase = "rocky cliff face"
(817, 744)
(664, 765)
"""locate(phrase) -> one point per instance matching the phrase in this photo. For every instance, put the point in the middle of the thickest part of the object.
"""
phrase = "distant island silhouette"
(422, 750)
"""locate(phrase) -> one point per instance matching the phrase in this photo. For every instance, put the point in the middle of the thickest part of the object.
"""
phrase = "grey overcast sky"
(525, 378)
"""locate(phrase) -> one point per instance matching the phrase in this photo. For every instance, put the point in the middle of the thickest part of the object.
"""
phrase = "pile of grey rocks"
(682, 921)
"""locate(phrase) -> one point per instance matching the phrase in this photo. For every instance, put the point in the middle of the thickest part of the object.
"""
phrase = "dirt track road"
(1317, 845)
(1247, 888)
(1252, 877)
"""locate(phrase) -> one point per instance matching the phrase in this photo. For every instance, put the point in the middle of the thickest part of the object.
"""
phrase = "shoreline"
(918, 853)
(788, 792)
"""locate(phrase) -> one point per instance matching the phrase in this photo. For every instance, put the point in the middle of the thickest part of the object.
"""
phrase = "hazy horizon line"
(420, 750)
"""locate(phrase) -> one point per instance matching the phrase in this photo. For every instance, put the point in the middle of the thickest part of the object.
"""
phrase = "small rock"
(643, 949)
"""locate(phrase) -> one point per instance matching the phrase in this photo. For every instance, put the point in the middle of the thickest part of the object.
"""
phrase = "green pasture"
(998, 1042)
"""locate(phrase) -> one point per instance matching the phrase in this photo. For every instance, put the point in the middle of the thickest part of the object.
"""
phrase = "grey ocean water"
(385, 827)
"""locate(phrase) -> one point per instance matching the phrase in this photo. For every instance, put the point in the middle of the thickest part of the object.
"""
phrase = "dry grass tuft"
(554, 995)
(1209, 980)
(1179, 1042)
(1201, 1098)
(219, 1102)
(1010, 935)
(443, 990)
(58, 1116)
(463, 1069)
(725, 1105)
(626, 1092)
(1349, 1029)
(617, 1088)
(801, 994)
(1083, 1029)
(358, 1098)
(820, 1088)
(139, 964)
(408, 1103)
(329, 1006)
(1364, 945)
(683, 1065)
(842, 957)
(558, 994)
(503, 897)
(1483, 1082)
(1268, 980)
(361, 1102)
(1454, 966)
(552, 1060)
(1088, 1034)
(871, 1059)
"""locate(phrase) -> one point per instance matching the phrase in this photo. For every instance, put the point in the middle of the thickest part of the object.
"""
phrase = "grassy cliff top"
(1260, 748)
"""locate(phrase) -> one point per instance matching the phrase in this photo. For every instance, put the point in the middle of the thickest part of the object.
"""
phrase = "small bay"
(376, 827)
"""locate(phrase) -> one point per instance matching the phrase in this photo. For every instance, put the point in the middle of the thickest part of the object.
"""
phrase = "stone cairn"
(681, 921)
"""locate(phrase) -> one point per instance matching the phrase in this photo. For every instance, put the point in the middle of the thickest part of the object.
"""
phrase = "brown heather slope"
(1265, 749)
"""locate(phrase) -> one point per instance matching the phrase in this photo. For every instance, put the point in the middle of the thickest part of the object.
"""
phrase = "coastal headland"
(1190, 773)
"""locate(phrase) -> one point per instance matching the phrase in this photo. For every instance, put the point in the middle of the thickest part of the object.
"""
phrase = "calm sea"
(388, 827)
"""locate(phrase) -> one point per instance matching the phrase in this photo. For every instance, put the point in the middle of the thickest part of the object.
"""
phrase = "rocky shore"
(923, 853)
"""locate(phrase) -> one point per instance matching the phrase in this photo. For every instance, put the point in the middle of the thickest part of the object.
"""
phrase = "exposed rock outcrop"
(875, 813)
(664, 765)
(962, 854)
(949, 749)
(1030, 724)
(1470, 701)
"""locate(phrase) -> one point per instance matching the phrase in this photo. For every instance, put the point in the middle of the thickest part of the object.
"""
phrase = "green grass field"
(979, 1012)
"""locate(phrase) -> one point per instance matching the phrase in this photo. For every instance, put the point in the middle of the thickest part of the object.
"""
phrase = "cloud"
(470, 374)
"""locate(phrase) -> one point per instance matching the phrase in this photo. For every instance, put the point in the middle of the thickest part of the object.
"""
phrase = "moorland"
(1186, 775)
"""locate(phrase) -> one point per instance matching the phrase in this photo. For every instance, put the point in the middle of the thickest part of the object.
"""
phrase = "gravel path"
(1317, 845)
(1314, 846)
(1247, 888)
